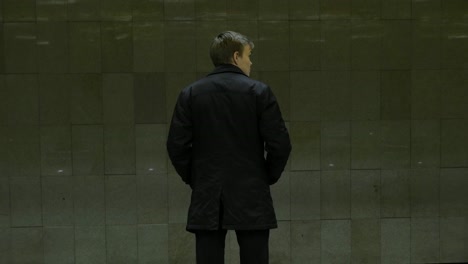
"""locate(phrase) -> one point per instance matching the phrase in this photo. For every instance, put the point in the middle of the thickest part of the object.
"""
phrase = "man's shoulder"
(216, 81)
(227, 76)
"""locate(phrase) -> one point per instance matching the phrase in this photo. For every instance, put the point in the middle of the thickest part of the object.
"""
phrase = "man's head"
(232, 48)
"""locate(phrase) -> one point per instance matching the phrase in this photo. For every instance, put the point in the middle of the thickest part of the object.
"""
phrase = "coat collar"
(227, 68)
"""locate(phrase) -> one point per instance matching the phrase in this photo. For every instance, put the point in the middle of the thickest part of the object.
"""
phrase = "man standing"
(221, 127)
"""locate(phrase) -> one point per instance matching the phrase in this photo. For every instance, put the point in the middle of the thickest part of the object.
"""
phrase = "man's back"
(225, 119)
(221, 126)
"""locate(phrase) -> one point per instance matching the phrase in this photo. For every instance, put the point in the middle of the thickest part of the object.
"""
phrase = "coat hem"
(194, 228)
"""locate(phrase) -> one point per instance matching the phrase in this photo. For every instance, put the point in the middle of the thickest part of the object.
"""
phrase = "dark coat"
(221, 126)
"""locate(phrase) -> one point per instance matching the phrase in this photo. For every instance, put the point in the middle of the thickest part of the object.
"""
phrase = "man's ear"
(235, 57)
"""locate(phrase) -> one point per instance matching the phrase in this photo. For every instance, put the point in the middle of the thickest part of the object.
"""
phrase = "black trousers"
(253, 245)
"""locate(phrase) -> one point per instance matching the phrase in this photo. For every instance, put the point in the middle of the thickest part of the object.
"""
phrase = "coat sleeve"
(179, 140)
(275, 135)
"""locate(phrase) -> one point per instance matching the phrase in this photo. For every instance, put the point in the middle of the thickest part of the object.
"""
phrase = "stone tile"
(119, 10)
(424, 188)
(2, 49)
(426, 45)
(453, 239)
(425, 240)
(122, 244)
(27, 245)
(25, 195)
(57, 201)
(20, 52)
(335, 197)
(89, 199)
(47, 10)
(273, 37)
(147, 10)
(90, 244)
(365, 241)
(4, 203)
(181, 245)
(119, 149)
(426, 9)
(152, 199)
(335, 48)
(84, 40)
(59, 245)
(395, 197)
(25, 152)
(454, 151)
(365, 86)
(121, 200)
(54, 99)
(23, 99)
(174, 10)
(395, 240)
(211, 10)
(273, 10)
(148, 41)
(87, 150)
(335, 91)
(365, 194)
(150, 98)
(56, 151)
(305, 242)
(366, 40)
(454, 104)
(304, 96)
(366, 9)
(153, 244)
(280, 243)
(425, 143)
(151, 153)
(86, 95)
(335, 9)
(365, 145)
(335, 147)
(454, 9)
(305, 197)
(426, 94)
(454, 45)
(4, 93)
(116, 46)
(5, 157)
(52, 47)
(118, 99)
(179, 44)
(395, 144)
(396, 9)
(395, 95)
(305, 137)
(336, 241)
(396, 44)
(5, 238)
(84, 10)
(304, 10)
(242, 10)
(232, 248)
(453, 195)
(23, 11)
(305, 41)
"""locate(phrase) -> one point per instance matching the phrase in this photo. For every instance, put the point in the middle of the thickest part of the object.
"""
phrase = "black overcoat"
(221, 127)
